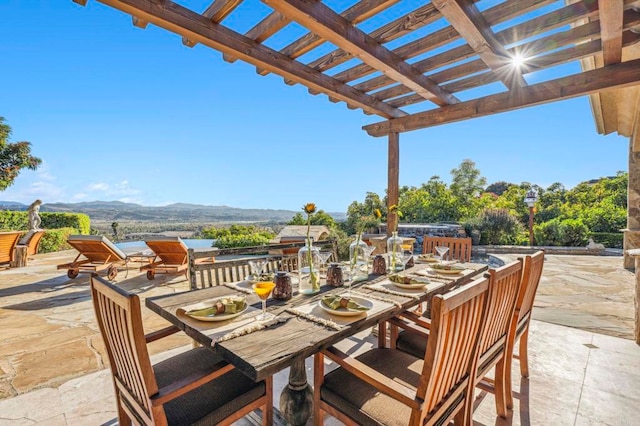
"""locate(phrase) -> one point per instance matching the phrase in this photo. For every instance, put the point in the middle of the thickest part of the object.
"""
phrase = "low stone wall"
(484, 250)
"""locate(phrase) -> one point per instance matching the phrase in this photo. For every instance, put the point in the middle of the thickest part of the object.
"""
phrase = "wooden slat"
(181, 20)
(521, 31)
(610, 77)
(537, 63)
(471, 25)
(217, 11)
(263, 30)
(355, 14)
(495, 15)
(323, 21)
(611, 12)
(393, 179)
(417, 19)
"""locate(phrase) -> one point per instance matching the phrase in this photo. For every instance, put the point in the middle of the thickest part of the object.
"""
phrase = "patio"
(55, 364)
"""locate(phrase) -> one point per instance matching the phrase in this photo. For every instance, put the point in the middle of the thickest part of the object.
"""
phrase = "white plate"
(215, 318)
(344, 312)
(448, 271)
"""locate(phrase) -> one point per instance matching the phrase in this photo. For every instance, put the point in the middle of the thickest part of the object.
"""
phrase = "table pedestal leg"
(296, 399)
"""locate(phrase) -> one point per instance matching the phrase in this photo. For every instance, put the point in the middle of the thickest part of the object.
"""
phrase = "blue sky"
(120, 113)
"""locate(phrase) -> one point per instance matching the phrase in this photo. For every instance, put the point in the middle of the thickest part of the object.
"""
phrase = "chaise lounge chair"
(99, 254)
(32, 240)
(172, 256)
(8, 241)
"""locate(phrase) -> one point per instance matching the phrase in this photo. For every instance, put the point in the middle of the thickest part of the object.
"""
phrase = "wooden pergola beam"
(324, 22)
(357, 13)
(611, 17)
(217, 11)
(465, 17)
(610, 77)
(185, 22)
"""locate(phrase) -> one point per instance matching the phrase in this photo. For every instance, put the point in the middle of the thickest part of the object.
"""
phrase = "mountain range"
(178, 212)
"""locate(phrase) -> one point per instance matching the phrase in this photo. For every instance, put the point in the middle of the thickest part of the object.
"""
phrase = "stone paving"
(49, 342)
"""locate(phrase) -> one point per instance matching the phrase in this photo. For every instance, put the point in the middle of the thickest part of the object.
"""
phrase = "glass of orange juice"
(263, 289)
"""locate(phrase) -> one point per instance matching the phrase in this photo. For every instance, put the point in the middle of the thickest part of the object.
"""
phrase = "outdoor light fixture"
(530, 200)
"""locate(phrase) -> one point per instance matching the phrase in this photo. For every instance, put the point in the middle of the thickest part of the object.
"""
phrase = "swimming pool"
(129, 247)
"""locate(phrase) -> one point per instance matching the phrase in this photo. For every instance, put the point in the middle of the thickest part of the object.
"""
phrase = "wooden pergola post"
(393, 177)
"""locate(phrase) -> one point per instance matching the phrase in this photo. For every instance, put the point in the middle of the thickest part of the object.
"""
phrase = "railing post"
(191, 272)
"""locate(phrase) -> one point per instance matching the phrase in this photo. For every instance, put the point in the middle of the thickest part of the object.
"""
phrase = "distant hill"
(179, 212)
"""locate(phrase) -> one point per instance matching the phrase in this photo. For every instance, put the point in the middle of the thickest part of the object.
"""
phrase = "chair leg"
(508, 383)
(500, 388)
(267, 413)
(524, 354)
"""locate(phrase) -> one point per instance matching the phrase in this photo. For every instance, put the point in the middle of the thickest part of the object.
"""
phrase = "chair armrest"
(420, 320)
(410, 327)
(381, 382)
(159, 334)
(179, 388)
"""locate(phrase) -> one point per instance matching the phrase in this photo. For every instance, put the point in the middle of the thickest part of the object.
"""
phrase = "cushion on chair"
(361, 401)
(209, 403)
(412, 343)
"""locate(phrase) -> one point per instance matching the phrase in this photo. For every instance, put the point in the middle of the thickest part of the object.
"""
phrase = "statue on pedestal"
(34, 215)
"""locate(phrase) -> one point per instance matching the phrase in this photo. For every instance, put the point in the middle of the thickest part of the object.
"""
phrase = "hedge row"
(19, 221)
(608, 239)
(58, 227)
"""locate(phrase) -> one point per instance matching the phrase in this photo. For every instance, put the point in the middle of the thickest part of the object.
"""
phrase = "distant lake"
(138, 246)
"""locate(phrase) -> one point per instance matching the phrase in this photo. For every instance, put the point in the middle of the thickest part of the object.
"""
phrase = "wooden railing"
(204, 273)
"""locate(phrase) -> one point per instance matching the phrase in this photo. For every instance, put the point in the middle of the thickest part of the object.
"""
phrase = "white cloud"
(98, 187)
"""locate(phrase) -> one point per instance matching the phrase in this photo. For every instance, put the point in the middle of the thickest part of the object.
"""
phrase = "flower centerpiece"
(394, 243)
(309, 258)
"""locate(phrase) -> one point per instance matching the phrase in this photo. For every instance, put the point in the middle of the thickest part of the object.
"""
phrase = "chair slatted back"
(530, 279)
(226, 271)
(456, 318)
(459, 248)
(501, 302)
(8, 241)
(120, 321)
(171, 252)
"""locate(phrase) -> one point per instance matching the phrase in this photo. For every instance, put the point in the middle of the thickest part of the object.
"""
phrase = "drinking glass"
(324, 257)
(263, 289)
(442, 250)
(257, 266)
(368, 251)
(406, 257)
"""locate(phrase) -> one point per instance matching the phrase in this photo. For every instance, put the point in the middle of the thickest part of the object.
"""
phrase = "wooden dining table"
(300, 329)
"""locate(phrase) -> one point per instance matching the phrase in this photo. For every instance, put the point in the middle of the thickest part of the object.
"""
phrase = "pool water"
(129, 247)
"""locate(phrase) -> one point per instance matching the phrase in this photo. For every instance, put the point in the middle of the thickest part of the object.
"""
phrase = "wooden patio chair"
(196, 386)
(172, 256)
(391, 387)
(504, 286)
(459, 248)
(96, 254)
(532, 272)
(8, 242)
(32, 240)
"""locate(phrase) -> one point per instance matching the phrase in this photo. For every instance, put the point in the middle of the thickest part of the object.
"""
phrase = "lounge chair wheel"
(151, 275)
(72, 273)
(112, 272)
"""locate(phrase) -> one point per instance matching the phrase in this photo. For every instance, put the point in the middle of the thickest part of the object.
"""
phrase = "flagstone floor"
(52, 360)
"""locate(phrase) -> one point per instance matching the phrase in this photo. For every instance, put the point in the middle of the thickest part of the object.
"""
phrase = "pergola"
(414, 64)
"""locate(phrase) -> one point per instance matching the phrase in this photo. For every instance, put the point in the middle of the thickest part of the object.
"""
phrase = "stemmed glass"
(324, 257)
(263, 289)
(442, 250)
(406, 257)
(257, 266)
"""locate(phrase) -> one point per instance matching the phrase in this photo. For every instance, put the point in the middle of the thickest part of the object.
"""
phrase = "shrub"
(609, 239)
(556, 232)
(497, 226)
(56, 240)
(242, 240)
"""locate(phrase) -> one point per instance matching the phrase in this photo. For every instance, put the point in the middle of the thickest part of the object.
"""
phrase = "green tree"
(466, 185)
(13, 157)
(319, 218)
(498, 188)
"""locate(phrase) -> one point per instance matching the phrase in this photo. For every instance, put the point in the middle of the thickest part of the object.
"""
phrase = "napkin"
(403, 279)
(448, 267)
(225, 305)
(337, 301)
